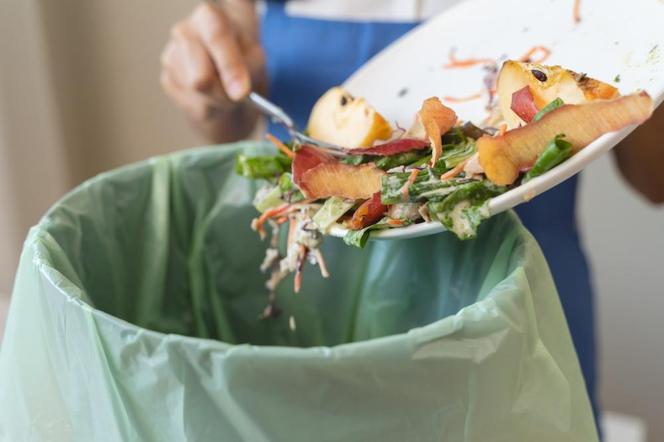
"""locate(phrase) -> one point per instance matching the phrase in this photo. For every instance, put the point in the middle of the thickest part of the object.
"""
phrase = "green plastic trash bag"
(135, 318)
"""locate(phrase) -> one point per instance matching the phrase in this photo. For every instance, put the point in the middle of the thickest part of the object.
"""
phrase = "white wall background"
(80, 95)
(624, 238)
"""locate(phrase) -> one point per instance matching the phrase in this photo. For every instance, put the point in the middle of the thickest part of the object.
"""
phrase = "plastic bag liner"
(135, 318)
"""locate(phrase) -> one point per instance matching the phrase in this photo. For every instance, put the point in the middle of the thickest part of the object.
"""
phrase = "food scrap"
(440, 169)
(577, 11)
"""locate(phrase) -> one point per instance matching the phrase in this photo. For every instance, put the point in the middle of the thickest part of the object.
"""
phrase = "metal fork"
(278, 115)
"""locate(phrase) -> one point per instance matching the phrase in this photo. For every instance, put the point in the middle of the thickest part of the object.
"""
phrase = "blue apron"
(307, 56)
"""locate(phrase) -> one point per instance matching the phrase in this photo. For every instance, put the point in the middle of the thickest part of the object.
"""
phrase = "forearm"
(640, 158)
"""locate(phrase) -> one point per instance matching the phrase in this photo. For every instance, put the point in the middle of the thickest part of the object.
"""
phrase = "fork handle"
(270, 109)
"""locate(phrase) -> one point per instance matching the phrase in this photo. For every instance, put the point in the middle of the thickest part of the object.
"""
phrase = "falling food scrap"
(577, 11)
(291, 323)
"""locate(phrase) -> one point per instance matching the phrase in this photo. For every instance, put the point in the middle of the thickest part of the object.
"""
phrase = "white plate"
(624, 38)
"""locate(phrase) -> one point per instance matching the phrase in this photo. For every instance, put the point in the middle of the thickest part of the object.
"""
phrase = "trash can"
(135, 317)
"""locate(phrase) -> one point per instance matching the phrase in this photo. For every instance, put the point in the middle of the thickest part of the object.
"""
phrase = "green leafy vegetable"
(457, 147)
(464, 209)
(421, 162)
(555, 104)
(289, 192)
(333, 209)
(555, 153)
(400, 159)
(356, 160)
(358, 238)
(387, 162)
(427, 185)
(268, 198)
(453, 155)
(286, 182)
(454, 136)
(265, 166)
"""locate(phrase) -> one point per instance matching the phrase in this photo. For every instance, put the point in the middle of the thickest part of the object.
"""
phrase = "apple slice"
(436, 118)
(342, 180)
(369, 212)
(341, 119)
(523, 104)
(307, 157)
(546, 83)
(502, 157)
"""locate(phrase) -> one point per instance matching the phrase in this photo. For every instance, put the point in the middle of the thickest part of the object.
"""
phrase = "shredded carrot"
(408, 183)
(279, 145)
(527, 57)
(466, 63)
(321, 263)
(476, 96)
(394, 222)
(502, 129)
(269, 213)
(282, 219)
(455, 171)
(577, 11)
(298, 271)
(297, 283)
(291, 232)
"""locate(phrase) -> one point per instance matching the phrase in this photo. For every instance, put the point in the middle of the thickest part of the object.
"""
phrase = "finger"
(197, 105)
(255, 57)
(190, 64)
(244, 17)
(216, 33)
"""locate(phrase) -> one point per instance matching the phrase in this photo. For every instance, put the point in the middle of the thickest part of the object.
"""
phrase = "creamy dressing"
(460, 223)
(407, 211)
(438, 192)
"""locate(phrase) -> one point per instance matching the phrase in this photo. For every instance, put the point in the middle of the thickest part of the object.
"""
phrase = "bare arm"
(210, 63)
(640, 158)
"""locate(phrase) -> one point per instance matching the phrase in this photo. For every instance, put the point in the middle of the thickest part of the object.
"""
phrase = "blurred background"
(79, 94)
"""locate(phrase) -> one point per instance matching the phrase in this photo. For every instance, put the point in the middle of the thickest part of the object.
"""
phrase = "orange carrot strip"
(297, 283)
(281, 146)
(291, 231)
(546, 52)
(394, 222)
(408, 183)
(282, 219)
(321, 263)
(463, 99)
(502, 129)
(455, 171)
(270, 213)
(577, 11)
(466, 63)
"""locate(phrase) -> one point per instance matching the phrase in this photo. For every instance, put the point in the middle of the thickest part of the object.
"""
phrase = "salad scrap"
(440, 169)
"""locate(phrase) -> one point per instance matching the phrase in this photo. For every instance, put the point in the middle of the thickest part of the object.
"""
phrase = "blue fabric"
(306, 57)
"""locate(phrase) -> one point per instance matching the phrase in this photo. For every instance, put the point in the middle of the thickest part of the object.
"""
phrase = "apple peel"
(341, 180)
(436, 119)
(502, 157)
(369, 212)
(306, 158)
(523, 104)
